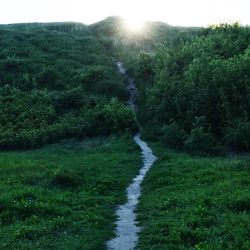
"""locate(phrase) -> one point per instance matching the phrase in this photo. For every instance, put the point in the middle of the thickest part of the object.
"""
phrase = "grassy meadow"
(191, 202)
(63, 196)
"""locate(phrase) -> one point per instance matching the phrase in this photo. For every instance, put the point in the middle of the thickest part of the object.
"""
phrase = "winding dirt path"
(126, 225)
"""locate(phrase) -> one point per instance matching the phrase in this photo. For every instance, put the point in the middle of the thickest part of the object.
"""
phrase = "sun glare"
(134, 24)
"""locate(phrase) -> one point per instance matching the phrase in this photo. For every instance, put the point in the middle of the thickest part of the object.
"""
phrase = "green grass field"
(195, 203)
(63, 196)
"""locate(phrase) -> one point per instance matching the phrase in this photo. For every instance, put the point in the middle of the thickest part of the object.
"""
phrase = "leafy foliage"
(237, 135)
(57, 81)
(206, 77)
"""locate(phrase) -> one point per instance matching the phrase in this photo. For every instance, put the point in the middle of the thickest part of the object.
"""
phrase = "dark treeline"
(196, 94)
(57, 81)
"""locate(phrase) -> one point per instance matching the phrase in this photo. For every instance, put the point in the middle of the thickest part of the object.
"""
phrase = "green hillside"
(57, 81)
(193, 82)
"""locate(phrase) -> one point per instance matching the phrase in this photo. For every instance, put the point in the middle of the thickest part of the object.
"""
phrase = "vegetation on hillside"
(57, 81)
(196, 94)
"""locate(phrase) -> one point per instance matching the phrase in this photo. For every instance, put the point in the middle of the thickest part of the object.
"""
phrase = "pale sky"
(174, 12)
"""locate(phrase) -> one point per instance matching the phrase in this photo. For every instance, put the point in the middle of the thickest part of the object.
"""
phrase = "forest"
(197, 94)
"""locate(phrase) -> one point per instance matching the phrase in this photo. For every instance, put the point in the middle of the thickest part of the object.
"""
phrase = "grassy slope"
(195, 203)
(59, 56)
(68, 78)
(63, 196)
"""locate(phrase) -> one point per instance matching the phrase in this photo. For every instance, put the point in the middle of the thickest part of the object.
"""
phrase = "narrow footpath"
(126, 225)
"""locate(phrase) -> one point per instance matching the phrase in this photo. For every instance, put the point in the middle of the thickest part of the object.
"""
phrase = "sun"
(134, 24)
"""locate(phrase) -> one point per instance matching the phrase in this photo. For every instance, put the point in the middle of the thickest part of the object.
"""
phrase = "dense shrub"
(208, 76)
(200, 141)
(57, 81)
(237, 136)
(30, 120)
(173, 135)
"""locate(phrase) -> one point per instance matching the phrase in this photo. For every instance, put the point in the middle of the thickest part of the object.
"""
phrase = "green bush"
(200, 142)
(110, 117)
(30, 120)
(173, 135)
(237, 136)
(151, 131)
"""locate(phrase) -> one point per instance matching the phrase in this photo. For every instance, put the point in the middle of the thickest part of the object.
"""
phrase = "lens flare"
(134, 25)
